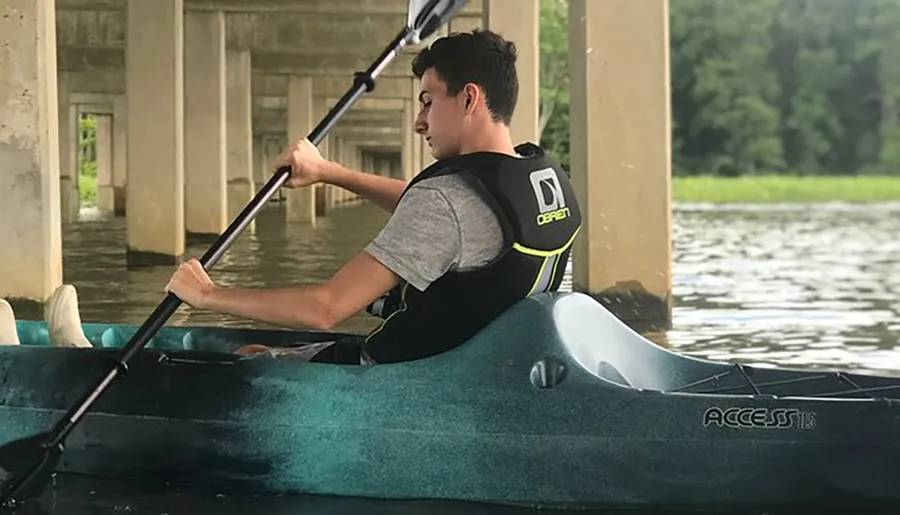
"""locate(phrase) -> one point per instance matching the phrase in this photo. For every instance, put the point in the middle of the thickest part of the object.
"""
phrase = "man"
(482, 228)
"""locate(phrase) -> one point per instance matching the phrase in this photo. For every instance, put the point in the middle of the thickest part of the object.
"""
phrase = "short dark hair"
(481, 57)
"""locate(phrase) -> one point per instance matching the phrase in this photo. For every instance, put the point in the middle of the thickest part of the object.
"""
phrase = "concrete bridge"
(194, 97)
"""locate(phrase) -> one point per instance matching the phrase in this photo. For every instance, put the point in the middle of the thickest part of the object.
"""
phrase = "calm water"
(800, 286)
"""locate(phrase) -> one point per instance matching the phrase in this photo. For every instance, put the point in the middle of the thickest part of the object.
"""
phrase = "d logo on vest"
(550, 199)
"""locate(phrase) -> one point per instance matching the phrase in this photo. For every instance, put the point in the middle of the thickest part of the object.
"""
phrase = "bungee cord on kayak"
(815, 385)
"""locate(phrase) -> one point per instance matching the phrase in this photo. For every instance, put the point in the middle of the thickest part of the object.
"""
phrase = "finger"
(283, 159)
(198, 269)
(172, 285)
(191, 271)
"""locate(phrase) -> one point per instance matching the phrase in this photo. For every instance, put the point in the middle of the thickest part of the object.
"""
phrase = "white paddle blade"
(427, 16)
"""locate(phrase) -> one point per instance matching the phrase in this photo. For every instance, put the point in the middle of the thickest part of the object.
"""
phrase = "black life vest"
(535, 203)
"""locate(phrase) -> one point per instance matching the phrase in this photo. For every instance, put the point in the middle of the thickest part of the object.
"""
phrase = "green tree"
(724, 95)
(554, 78)
(87, 144)
(856, 92)
(887, 32)
(805, 63)
(767, 86)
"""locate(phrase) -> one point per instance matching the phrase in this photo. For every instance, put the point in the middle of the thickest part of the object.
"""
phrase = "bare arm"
(309, 167)
(383, 191)
(362, 280)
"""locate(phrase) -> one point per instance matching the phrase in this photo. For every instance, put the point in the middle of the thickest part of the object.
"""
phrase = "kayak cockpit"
(606, 347)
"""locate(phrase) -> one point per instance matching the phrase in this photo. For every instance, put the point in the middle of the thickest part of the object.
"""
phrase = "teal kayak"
(556, 403)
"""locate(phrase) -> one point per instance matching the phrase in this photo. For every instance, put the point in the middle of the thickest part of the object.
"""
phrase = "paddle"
(27, 464)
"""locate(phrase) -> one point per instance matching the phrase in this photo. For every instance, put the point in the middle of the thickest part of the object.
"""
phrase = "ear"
(472, 96)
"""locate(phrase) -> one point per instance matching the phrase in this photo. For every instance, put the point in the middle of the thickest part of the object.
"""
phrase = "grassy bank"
(87, 189)
(758, 189)
(767, 189)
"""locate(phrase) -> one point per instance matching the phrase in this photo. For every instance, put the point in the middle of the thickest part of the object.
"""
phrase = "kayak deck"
(190, 338)
(625, 358)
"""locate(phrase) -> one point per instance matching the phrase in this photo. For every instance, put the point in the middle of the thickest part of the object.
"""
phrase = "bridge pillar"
(621, 155)
(31, 248)
(408, 155)
(120, 152)
(104, 142)
(68, 151)
(154, 76)
(301, 205)
(205, 125)
(240, 134)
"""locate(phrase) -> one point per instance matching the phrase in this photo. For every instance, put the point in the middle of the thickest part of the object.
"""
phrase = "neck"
(489, 138)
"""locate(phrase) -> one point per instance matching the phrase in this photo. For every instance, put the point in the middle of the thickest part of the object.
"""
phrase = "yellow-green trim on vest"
(401, 310)
(546, 253)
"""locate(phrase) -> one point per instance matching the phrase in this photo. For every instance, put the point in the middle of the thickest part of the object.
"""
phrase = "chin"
(439, 154)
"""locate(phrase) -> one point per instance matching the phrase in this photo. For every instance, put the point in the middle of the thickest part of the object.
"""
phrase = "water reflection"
(804, 286)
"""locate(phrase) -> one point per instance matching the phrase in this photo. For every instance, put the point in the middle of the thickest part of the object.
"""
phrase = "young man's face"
(441, 117)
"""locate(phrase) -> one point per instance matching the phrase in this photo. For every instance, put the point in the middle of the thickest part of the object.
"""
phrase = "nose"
(420, 125)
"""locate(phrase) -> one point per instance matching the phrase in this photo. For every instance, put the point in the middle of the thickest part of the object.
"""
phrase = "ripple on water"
(806, 286)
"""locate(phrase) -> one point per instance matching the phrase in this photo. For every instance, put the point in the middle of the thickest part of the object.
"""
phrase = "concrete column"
(31, 249)
(240, 133)
(105, 193)
(384, 166)
(154, 78)
(344, 158)
(120, 152)
(621, 154)
(260, 164)
(418, 140)
(68, 152)
(372, 160)
(408, 155)
(272, 147)
(466, 23)
(518, 21)
(353, 159)
(301, 206)
(324, 192)
(205, 210)
(334, 154)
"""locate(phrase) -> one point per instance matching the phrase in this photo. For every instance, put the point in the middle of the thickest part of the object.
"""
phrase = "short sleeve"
(421, 240)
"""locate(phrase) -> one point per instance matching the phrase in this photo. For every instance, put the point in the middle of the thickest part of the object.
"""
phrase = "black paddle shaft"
(363, 82)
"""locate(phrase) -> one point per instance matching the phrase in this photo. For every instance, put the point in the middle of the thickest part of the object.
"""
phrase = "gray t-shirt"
(442, 223)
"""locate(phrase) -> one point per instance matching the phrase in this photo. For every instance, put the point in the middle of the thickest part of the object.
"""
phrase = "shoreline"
(774, 189)
(746, 190)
